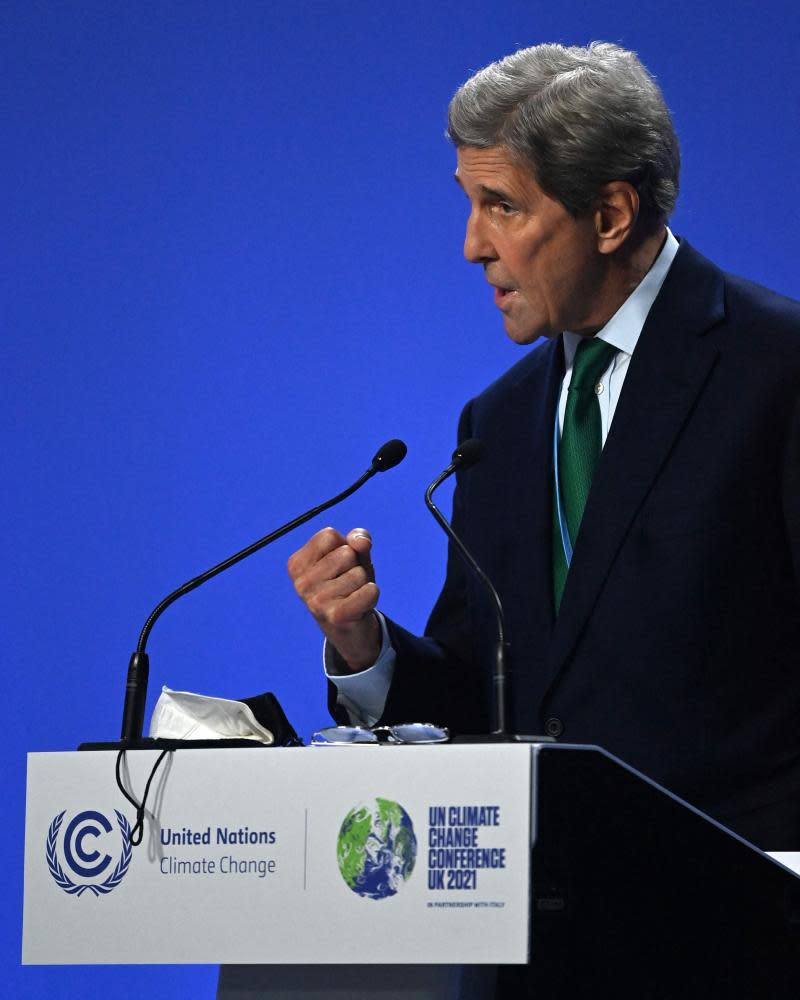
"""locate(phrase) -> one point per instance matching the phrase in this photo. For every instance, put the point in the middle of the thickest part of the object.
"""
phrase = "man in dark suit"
(644, 539)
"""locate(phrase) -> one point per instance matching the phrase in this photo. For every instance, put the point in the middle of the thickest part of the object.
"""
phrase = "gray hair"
(578, 118)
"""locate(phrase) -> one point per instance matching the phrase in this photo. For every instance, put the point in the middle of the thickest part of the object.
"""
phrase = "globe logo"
(376, 849)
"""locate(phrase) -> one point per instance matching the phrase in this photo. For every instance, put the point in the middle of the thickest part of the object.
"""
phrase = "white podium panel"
(372, 854)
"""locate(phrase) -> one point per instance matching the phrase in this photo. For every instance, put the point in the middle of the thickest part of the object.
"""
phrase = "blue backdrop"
(233, 268)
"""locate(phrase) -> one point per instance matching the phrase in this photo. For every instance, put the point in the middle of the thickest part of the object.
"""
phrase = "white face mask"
(181, 715)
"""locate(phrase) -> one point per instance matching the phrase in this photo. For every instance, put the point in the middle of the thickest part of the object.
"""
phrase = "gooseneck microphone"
(387, 457)
(466, 455)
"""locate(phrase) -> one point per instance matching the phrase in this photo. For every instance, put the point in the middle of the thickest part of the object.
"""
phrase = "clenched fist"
(333, 575)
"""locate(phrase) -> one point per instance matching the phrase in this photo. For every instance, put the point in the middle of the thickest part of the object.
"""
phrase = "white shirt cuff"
(363, 694)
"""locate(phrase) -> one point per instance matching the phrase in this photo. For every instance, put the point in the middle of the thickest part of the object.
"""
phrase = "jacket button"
(553, 727)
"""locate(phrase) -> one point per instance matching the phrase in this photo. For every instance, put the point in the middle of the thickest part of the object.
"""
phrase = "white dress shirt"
(363, 694)
(621, 331)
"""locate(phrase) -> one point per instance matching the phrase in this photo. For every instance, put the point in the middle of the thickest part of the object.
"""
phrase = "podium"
(561, 865)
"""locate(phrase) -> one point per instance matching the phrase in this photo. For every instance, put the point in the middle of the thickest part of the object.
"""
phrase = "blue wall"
(232, 269)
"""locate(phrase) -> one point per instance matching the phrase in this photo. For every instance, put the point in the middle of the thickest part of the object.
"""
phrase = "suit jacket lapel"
(667, 372)
(527, 571)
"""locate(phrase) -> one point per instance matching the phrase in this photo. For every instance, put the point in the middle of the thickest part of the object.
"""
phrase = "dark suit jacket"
(676, 645)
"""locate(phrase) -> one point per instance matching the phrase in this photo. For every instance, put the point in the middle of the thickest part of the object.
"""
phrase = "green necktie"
(579, 448)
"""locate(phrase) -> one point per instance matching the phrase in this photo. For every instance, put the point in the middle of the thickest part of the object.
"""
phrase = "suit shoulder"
(762, 333)
(752, 304)
(755, 326)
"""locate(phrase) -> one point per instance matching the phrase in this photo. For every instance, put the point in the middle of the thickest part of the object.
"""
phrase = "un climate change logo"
(376, 849)
(81, 856)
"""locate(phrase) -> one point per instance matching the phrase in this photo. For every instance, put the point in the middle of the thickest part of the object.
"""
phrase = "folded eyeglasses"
(409, 732)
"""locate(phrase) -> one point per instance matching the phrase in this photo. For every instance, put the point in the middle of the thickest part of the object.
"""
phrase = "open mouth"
(502, 295)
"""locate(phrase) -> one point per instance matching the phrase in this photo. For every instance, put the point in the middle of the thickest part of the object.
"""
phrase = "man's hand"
(334, 577)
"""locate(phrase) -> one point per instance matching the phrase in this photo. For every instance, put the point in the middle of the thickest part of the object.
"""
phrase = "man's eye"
(504, 208)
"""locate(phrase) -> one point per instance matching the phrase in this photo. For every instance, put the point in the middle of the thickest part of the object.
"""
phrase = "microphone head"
(468, 453)
(389, 455)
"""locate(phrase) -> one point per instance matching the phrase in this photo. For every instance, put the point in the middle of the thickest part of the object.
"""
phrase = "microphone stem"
(500, 683)
(138, 668)
(502, 648)
(193, 584)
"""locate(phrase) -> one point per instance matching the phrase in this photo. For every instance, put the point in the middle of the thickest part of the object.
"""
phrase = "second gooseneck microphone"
(467, 454)
(387, 457)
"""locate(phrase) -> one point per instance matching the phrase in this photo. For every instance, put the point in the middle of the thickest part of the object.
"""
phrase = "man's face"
(543, 263)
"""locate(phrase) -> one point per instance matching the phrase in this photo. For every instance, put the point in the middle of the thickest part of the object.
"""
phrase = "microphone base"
(502, 738)
(148, 743)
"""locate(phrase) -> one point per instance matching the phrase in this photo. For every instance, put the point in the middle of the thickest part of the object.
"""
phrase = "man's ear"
(615, 214)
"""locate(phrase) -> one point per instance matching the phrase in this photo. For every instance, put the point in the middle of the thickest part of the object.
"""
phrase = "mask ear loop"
(136, 834)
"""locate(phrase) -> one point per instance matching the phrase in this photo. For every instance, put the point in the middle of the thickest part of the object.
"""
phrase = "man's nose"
(478, 247)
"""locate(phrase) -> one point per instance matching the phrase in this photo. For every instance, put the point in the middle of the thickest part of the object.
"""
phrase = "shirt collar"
(623, 329)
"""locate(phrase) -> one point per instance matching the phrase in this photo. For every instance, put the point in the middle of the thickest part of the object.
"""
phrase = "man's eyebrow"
(487, 192)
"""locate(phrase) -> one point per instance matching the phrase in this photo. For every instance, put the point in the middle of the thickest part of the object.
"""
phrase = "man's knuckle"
(357, 576)
(318, 607)
(347, 557)
(329, 538)
(338, 615)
